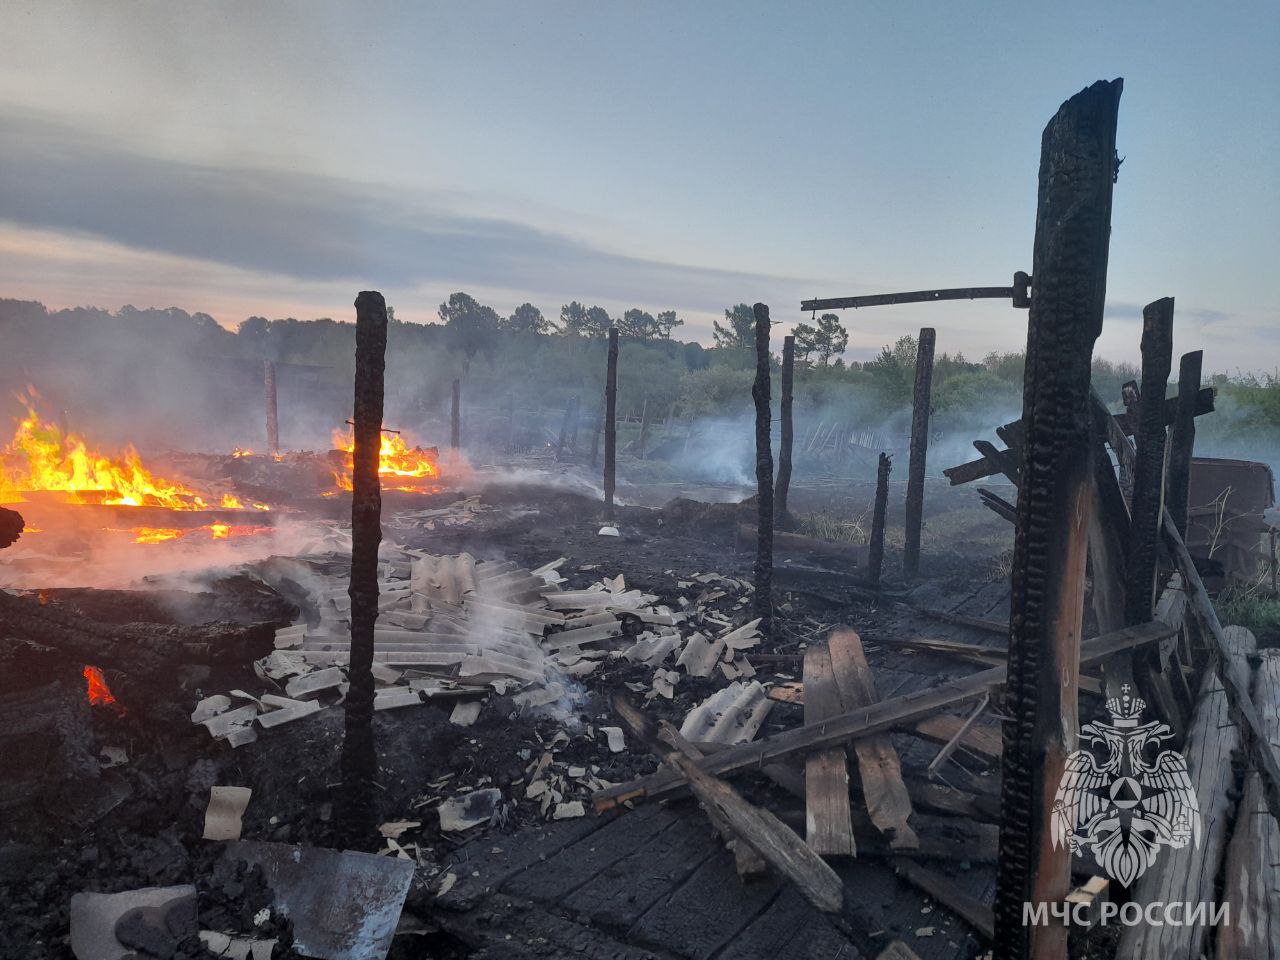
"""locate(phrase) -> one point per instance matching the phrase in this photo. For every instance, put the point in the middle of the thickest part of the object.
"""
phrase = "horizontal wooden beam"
(979, 469)
(865, 721)
(915, 296)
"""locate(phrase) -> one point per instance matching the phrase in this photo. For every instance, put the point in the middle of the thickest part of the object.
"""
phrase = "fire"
(41, 458)
(214, 531)
(396, 459)
(99, 693)
(238, 453)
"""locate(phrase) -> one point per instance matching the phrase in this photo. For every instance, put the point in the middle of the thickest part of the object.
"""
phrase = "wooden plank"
(765, 833)
(920, 408)
(888, 802)
(1252, 873)
(981, 739)
(981, 469)
(864, 721)
(828, 823)
(707, 912)
(970, 909)
(1188, 874)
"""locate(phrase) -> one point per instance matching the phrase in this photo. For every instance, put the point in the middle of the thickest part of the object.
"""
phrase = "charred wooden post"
(455, 417)
(644, 429)
(1148, 502)
(273, 423)
(1182, 439)
(358, 817)
(1132, 400)
(1073, 225)
(875, 550)
(764, 477)
(611, 423)
(919, 451)
(786, 431)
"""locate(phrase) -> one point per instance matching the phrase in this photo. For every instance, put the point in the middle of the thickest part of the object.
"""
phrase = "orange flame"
(396, 459)
(40, 458)
(99, 693)
(214, 531)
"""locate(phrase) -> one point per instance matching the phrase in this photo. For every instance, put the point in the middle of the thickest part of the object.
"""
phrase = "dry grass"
(844, 528)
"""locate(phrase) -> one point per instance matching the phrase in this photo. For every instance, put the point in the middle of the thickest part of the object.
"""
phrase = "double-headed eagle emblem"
(1122, 807)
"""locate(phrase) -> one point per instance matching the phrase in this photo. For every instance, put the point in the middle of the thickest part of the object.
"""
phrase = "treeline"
(183, 378)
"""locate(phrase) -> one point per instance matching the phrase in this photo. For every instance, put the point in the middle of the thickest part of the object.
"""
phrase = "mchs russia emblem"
(1123, 798)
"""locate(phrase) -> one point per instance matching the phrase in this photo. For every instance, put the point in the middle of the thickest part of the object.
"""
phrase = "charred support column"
(1132, 400)
(1069, 263)
(610, 422)
(1148, 502)
(358, 818)
(919, 450)
(455, 416)
(1182, 440)
(273, 423)
(875, 550)
(764, 477)
(786, 431)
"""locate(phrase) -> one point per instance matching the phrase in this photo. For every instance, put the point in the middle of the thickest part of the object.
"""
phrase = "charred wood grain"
(786, 431)
(1182, 438)
(356, 807)
(763, 571)
(921, 399)
(1073, 225)
(610, 423)
(875, 550)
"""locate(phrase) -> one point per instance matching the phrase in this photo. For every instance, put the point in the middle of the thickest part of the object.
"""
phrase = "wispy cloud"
(317, 228)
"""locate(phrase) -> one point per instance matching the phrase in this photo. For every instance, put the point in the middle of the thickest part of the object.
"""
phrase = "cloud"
(317, 228)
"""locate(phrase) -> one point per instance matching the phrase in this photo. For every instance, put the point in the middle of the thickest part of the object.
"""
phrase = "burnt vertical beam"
(455, 416)
(919, 451)
(1131, 397)
(358, 809)
(764, 476)
(875, 550)
(611, 423)
(565, 423)
(1182, 440)
(1148, 503)
(1108, 546)
(1069, 263)
(273, 422)
(786, 431)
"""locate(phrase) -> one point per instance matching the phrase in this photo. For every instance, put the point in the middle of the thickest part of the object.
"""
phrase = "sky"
(274, 158)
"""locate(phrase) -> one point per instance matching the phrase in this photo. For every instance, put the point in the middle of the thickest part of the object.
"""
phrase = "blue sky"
(274, 158)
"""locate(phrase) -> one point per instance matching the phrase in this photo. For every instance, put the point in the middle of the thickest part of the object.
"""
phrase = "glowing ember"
(40, 458)
(155, 534)
(238, 453)
(397, 461)
(99, 693)
(219, 531)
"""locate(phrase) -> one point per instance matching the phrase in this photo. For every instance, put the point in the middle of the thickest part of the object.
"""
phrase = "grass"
(851, 528)
(1250, 607)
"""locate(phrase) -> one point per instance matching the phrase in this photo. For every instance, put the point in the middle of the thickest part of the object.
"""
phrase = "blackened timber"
(763, 572)
(1004, 460)
(1069, 263)
(455, 416)
(1148, 468)
(913, 296)
(875, 551)
(919, 452)
(864, 721)
(610, 422)
(273, 416)
(979, 469)
(1108, 545)
(1182, 438)
(786, 430)
(358, 812)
